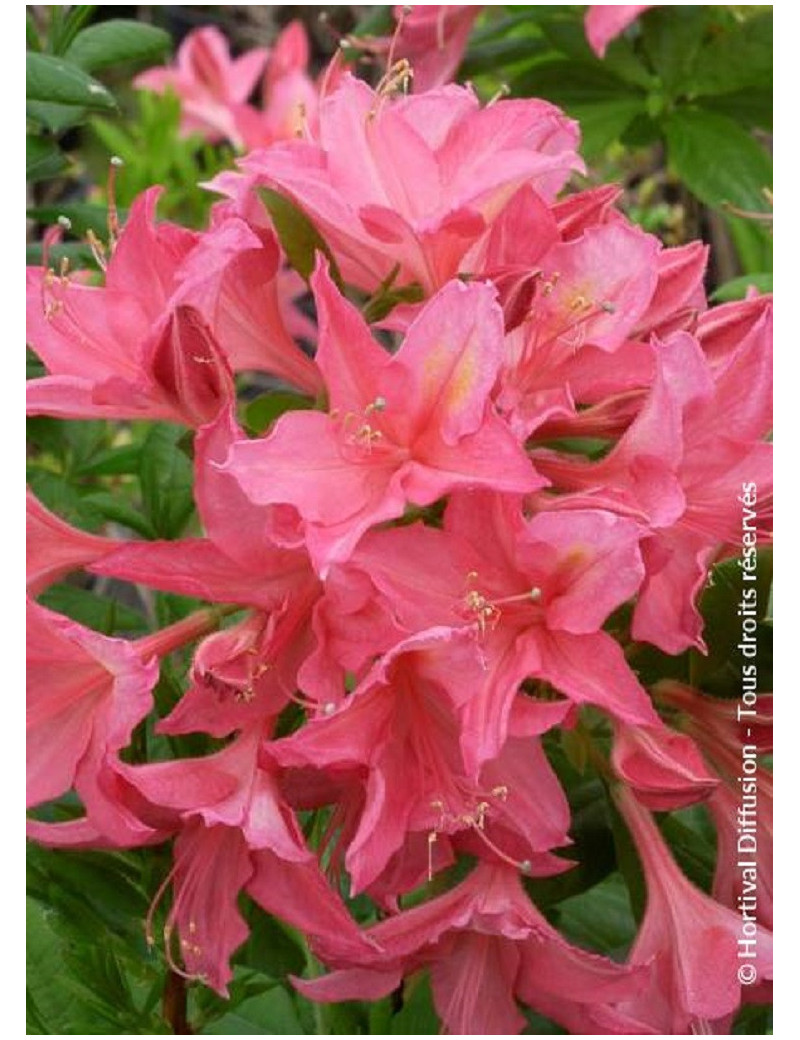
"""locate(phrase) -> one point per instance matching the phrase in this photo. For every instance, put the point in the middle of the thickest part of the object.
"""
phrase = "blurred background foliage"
(679, 114)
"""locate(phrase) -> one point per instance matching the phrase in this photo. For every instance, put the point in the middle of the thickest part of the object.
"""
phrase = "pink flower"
(242, 559)
(210, 84)
(403, 428)
(433, 38)
(234, 278)
(54, 548)
(533, 593)
(403, 726)
(122, 350)
(664, 769)
(745, 838)
(590, 292)
(682, 465)
(679, 297)
(742, 805)
(241, 676)
(86, 694)
(214, 89)
(252, 555)
(486, 944)
(241, 837)
(690, 941)
(717, 724)
(604, 23)
(290, 98)
(413, 181)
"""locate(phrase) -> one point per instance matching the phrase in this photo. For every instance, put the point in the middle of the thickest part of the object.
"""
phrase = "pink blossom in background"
(433, 38)
(605, 22)
(214, 89)
(211, 85)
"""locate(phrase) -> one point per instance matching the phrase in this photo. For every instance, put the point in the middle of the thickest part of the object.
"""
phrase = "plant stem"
(174, 1004)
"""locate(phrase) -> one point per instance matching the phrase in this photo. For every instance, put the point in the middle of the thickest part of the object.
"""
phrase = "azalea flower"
(403, 726)
(432, 38)
(244, 838)
(213, 87)
(605, 22)
(690, 941)
(126, 349)
(680, 465)
(485, 944)
(54, 548)
(234, 277)
(664, 769)
(533, 593)
(406, 428)
(403, 188)
(86, 694)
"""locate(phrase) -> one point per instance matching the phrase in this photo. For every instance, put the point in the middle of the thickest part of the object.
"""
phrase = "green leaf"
(417, 1015)
(55, 118)
(83, 216)
(690, 834)
(385, 298)
(117, 41)
(125, 460)
(718, 160)
(64, 31)
(272, 1012)
(719, 671)
(602, 123)
(593, 848)
(737, 288)
(78, 254)
(32, 40)
(298, 236)
(115, 139)
(63, 499)
(538, 1025)
(272, 948)
(629, 863)
(92, 893)
(750, 107)
(604, 104)
(48, 1003)
(753, 241)
(43, 159)
(672, 38)
(34, 368)
(55, 80)
(265, 409)
(166, 479)
(753, 1020)
(600, 918)
(116, 509)
(499, 56)
(738, 58)
(378, 21)
(77, 984)
(572, 83)
(92, 610)
(566, 32)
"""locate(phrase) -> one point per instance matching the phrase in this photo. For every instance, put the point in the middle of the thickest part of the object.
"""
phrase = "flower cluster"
(422, 570)
(214, 89)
